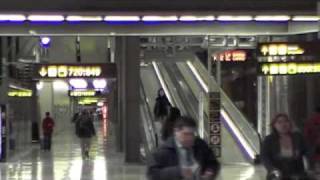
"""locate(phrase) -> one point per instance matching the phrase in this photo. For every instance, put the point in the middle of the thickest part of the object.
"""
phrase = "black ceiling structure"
(262, 6)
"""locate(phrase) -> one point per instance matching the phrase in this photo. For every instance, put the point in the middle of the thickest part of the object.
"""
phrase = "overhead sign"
(19, 93)
(281, 49)
(107, 70)
(290, 68)
(83, 93)
(308, 50)
(231, 56)
(88, 101)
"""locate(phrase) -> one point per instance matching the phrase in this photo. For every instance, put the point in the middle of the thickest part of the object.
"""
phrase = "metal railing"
(250, 135)
(147, 124)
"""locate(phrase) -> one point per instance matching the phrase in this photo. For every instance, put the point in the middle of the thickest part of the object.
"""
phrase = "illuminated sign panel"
(75, 70)
(281, 49)
(291, 68)
(290, 49)
(88, 101)
(77, 93)
(19, 93)
(231, 56)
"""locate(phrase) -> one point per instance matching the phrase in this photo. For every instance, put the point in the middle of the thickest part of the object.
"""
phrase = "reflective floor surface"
(64, 162)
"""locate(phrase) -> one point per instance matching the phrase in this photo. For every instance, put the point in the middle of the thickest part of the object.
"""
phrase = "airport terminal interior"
(232, 72)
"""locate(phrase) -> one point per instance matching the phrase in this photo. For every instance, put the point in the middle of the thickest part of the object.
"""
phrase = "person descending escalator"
(161, 109)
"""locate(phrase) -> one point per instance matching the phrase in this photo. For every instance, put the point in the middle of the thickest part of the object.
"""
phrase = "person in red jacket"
(47, 128)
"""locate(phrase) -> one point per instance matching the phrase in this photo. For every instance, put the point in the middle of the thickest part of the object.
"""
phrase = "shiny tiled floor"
(64, 163)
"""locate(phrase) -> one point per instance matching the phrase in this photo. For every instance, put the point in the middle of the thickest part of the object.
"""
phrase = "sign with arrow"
(105, 70)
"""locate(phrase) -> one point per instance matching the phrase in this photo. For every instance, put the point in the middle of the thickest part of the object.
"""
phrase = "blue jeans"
(47, 141)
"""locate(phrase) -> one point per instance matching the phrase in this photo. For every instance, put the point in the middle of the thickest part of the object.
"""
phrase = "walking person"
(183, 156)
(85, 131)
(47, 128)
(283, 151)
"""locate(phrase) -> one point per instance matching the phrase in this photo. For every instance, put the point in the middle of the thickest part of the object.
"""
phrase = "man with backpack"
(47, 128)
(85, 130)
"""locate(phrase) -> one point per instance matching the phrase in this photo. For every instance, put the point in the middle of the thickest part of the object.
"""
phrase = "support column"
(129, 95)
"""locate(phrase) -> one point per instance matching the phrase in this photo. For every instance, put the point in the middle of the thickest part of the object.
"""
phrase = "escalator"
(149, 86)
(190, 91)
(242, 131)
(183, 88)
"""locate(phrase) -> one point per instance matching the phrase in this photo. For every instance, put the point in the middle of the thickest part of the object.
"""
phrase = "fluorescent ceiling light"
(59, 85)
(84, 18)
(272, 18)
(100, 104)
(235, 18)
(39, 85)
(78, 83)
(160, 18)
(197, 18)
(305, 18)
(122, 18)
(99, 83)
(12, 17)
(45, 18)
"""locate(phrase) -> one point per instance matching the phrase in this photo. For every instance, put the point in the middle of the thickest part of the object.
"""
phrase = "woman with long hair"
(283, 150)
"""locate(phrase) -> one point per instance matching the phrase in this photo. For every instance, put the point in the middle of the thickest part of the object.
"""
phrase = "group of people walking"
(84, 129)
(181, 155)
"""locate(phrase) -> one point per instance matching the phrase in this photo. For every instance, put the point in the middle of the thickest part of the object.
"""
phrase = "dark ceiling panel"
(158, 5)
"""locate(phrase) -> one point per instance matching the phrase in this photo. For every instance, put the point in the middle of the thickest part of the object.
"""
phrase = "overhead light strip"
(50, 18)
(84, 18)
(122, 18)
(272, 18)
(305, 18)
(154, 18)
(235, 18)
(196, 18)
(159, 18)
(12, 17)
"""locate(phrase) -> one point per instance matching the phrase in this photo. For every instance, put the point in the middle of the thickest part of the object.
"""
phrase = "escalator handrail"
(192, 113)
(227, 102)
(150, 122)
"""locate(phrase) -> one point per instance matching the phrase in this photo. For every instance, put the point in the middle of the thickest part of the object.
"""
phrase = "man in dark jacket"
(184, 156)
(85, 130)
(47, 128)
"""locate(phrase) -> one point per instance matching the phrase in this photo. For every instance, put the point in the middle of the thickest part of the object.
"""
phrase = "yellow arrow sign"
(43, 71)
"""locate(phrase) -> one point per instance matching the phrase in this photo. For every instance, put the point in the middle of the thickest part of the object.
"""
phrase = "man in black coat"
(183, 157)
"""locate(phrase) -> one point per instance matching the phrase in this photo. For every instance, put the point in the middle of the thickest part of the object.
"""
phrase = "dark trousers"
(47, 141)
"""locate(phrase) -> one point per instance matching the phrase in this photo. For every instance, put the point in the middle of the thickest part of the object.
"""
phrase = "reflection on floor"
(65, 163)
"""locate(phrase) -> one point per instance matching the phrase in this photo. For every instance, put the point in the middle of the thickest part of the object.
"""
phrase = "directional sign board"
(105, 70)
(214, 122)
